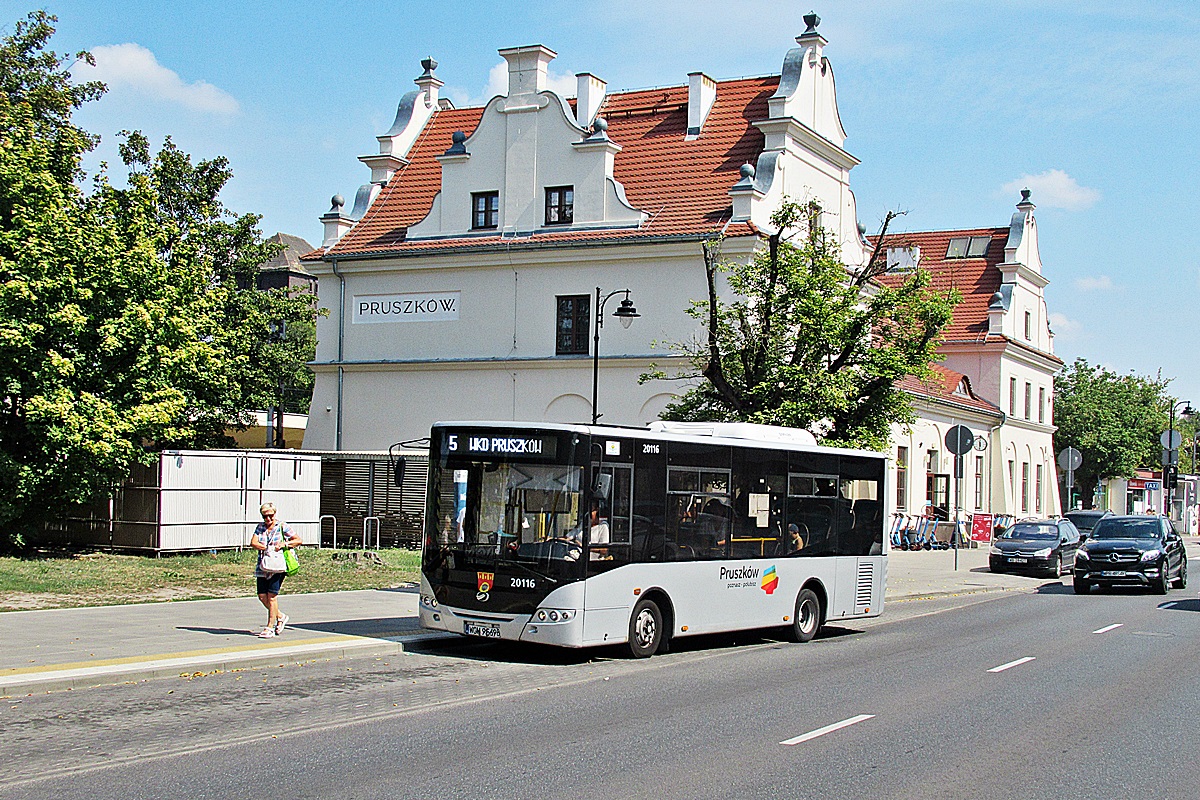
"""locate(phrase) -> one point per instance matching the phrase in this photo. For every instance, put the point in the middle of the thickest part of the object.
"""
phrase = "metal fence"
(208, 500)
(361, 505)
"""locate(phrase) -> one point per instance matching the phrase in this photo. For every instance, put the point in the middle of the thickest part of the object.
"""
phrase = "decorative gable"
(528, 142)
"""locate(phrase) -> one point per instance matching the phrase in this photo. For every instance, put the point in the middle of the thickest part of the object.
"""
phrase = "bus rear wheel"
(807, 619)
(645, 629)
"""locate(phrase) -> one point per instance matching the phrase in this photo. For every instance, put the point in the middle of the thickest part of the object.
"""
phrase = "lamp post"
(626, 313)
(1171, 455)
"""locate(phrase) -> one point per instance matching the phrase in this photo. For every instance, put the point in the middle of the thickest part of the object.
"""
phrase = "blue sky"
(951, 106)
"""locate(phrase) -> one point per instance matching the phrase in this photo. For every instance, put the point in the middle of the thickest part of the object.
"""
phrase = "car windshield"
(1147, 528)
(1031, 530)
(1085, 520)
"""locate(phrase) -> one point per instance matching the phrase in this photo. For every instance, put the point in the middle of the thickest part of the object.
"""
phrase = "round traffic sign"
(959, 439)
(1070, 459)
(1170, 439)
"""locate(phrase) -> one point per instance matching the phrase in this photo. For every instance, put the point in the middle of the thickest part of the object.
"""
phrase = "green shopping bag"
(289, 558)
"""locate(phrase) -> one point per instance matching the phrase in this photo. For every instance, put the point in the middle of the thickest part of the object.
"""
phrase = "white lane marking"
(1012, 664)
(828, 729)
(1108, 628)
(1171, 604)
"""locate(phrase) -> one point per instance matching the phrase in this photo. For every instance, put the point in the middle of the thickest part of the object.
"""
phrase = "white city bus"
(577, 535)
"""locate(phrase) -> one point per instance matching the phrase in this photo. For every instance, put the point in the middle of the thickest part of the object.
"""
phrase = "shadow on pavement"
(1055, 588)
(379, 628)
(1191, 604)
(530, 653)
(219, 631)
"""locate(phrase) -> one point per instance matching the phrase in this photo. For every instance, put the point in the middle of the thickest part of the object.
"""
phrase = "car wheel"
(1056, 567)
(645, 629)
(807, 619)
(1181, 581)
(1163, 584)
(1082, 586)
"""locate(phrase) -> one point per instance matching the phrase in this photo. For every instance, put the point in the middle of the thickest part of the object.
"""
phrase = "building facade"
(1000, 342)
(464, 282)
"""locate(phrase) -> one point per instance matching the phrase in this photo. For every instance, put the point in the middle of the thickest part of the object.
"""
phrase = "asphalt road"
(1030, 695)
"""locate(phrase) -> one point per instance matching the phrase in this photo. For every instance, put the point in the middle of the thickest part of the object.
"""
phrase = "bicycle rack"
(366, 531)
(320, 523)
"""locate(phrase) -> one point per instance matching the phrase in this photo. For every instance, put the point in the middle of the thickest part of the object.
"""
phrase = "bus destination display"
(489, 444)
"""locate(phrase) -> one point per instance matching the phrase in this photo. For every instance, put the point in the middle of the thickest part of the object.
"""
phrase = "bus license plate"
(1017, 560)
(484, 629)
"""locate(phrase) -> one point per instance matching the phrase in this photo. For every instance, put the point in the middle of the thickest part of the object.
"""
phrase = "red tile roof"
(943, 387)
(683, 186)
(977, 279)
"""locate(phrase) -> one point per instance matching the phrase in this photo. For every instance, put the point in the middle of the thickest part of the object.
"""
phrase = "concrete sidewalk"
(74, 648)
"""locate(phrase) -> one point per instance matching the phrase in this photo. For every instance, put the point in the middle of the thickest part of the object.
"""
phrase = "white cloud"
(1099, 283)
(134, 68)
(563, 85)
(1054, 189)
(1064, 326)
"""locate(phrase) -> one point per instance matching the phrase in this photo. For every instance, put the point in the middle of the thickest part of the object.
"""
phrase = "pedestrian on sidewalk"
(270, 539)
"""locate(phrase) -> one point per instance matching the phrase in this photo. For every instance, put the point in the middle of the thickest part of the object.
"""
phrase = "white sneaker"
(266, 633)
(281, 623)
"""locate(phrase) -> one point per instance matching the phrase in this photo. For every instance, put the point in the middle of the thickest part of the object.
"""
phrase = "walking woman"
(270, 539)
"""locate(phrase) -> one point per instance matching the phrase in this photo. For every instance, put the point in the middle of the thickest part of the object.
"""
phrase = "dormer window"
(486, 210)
(968, 247)
(560, 205)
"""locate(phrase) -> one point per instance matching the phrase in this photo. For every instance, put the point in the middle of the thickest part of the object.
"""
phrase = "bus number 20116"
(522, 583)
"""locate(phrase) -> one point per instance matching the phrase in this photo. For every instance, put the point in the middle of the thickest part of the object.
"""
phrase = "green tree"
(805, 342)
(1113, 420)
(122, 325)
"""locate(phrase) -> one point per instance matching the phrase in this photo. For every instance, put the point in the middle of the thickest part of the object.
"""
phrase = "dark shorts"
(271, 584)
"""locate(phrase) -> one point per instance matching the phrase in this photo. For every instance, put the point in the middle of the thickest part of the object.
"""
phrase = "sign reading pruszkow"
(409, 307)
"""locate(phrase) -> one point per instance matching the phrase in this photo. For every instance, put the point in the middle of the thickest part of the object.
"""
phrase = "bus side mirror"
(398, 472)
(603, 487)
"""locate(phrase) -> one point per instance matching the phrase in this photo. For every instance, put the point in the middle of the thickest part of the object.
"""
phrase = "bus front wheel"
(807, 618)
(645, 629)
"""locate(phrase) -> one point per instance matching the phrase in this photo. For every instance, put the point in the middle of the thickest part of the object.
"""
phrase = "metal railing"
(321, 523)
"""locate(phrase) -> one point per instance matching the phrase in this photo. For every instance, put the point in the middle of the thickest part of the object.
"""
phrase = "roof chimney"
(702, 93)
(527, 68)
(588, 98)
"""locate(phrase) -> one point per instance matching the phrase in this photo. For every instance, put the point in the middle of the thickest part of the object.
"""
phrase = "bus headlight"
(429, 601)
(555, 614)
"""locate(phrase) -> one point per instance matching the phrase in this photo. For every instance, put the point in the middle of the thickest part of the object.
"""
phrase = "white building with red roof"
(997, 376)
(464, 281)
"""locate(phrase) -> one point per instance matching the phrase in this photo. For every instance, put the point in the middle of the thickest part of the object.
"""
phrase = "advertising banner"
(981, 527)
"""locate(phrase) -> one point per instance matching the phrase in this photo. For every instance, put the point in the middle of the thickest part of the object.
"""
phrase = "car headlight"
(1081, 555)
(996, 551)
(1043, 553)
(1151, 555)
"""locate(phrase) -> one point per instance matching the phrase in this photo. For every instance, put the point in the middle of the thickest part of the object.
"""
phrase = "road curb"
(51, 680)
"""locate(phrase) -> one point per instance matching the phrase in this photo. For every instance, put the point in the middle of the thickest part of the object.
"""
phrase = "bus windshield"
(500, 510)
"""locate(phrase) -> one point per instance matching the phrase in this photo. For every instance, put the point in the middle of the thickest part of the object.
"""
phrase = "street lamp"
(1172, 456)
(626, 313)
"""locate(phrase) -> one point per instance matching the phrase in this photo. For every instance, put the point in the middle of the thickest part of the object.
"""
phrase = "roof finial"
(1025, 195)
(812, 21)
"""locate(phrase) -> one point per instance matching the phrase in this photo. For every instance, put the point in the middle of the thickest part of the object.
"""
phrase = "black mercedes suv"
(1131, 551)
